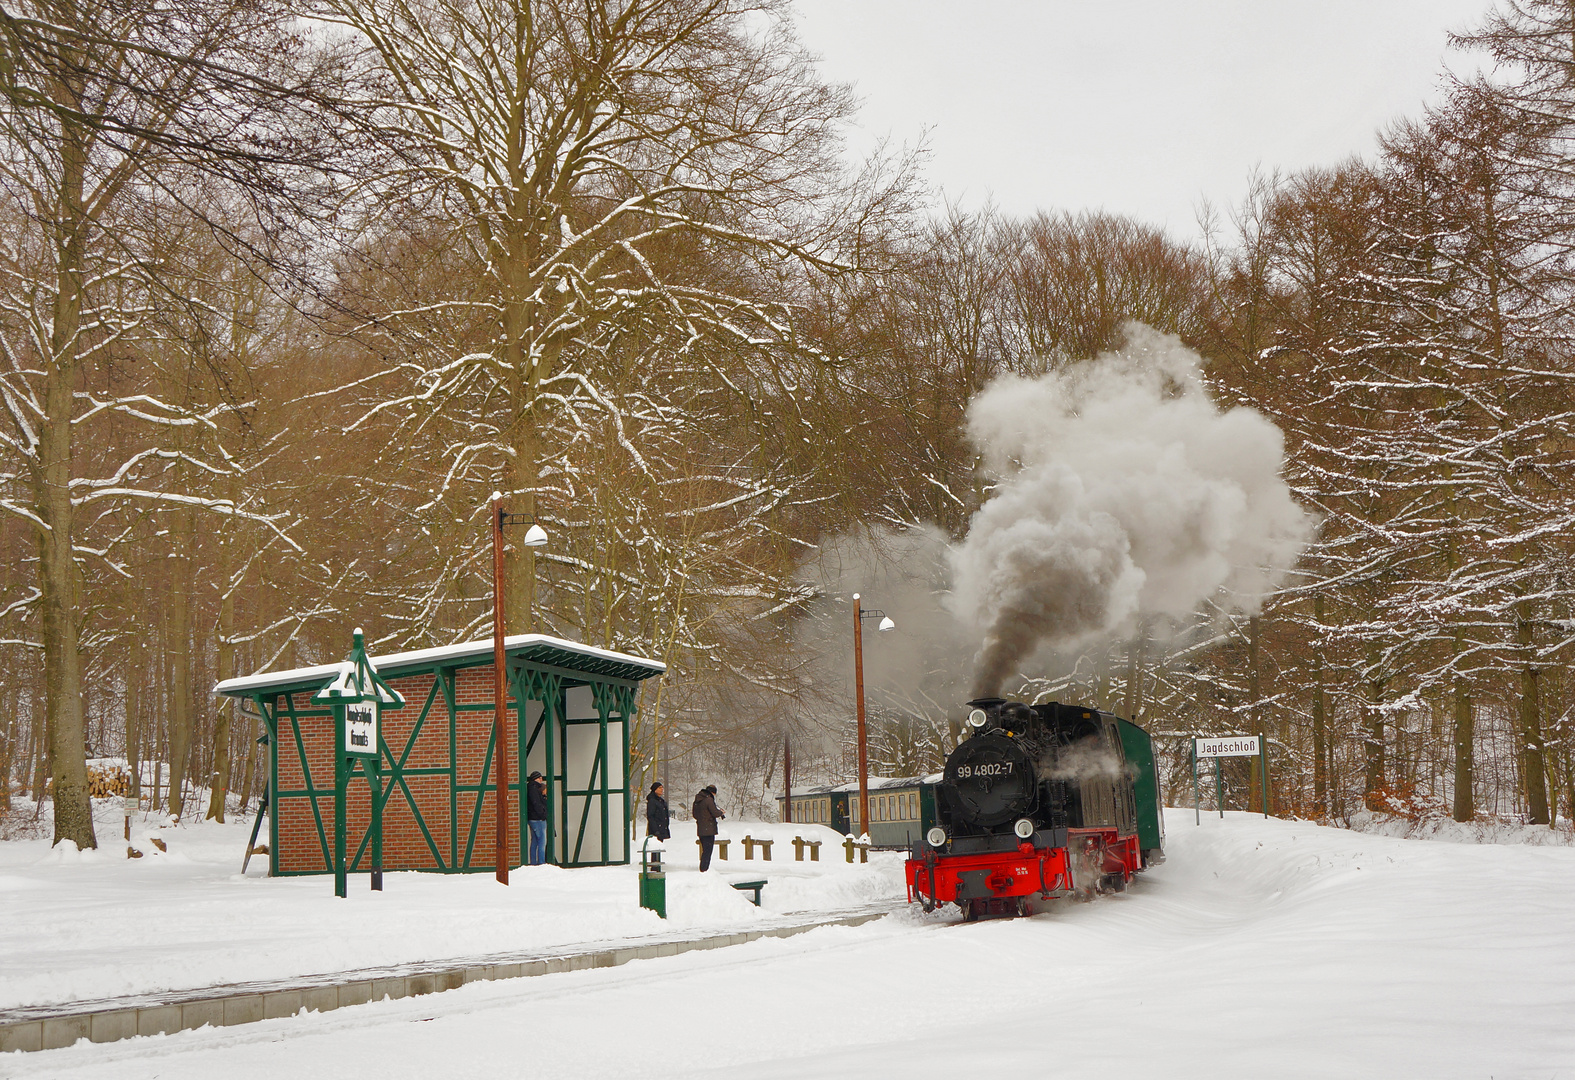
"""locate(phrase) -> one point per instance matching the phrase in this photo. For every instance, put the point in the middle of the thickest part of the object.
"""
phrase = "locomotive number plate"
(989, 768)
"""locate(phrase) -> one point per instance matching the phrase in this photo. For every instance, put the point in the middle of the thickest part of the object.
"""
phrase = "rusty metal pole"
(787, 779)
(858, 677)
(499, 727)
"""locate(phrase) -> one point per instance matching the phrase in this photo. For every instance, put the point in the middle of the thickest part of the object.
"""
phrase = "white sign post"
(1223, 747)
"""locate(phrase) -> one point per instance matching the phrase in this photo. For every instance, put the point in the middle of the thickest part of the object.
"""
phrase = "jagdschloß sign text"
(1229, 746)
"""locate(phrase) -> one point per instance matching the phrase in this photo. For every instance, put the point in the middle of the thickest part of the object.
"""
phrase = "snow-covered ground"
(88, 925)
(1262, 949)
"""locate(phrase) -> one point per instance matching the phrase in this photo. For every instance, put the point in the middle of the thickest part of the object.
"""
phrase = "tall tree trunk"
(519, 565)
(1535, 768)
(1320, 721)
(58, 579)
(1464, 808)
(179, 642)
(250, 768)
(1373, 747)
(218, 785)
(134, 716)
(37, 759)
(1139, 648)
(1255, 777)
(8, 739)
(59, 584)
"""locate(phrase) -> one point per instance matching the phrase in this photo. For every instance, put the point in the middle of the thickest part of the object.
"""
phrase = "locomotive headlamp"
(1024, 828)
(936, 836)
(977, 718)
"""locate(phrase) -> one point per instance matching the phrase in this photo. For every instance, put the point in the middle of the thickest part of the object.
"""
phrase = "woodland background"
(286, 291)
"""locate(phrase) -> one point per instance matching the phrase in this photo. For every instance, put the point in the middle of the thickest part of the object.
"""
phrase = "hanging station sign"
(357, 694)
(361, 728)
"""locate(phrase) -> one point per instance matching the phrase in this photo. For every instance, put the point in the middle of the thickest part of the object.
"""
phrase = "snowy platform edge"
(52, 1027)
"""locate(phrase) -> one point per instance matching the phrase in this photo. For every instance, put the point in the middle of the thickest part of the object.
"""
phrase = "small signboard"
(361, 728)
(1229, 746)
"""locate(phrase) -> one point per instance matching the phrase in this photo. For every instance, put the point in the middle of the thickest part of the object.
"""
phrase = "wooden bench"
(862, 846)
(799, 844)
(720, 849)
(750, 843)
(751, 886)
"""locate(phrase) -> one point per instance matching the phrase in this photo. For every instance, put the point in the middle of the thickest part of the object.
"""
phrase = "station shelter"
(569, 712)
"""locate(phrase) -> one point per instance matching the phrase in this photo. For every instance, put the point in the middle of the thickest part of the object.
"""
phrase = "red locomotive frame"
(1091, 858)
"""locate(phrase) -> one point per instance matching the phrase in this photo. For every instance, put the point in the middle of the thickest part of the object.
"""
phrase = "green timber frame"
(570, 710)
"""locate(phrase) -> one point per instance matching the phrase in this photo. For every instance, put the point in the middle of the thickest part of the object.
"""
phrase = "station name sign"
(1229, 746)
(361, 728)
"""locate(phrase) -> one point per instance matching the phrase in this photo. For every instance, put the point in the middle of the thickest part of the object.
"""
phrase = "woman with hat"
(656, 812)
(536, 816)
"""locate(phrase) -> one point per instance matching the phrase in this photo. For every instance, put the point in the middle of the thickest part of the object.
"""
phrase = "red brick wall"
(299, 848)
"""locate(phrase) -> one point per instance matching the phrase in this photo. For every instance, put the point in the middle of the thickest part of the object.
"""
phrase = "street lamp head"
(886, 624)
(535, 537)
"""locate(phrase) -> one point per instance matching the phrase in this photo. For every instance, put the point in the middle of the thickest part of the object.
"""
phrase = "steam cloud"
(1126, 492)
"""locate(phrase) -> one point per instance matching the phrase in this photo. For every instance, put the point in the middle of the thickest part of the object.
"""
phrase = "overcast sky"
(1140, 107)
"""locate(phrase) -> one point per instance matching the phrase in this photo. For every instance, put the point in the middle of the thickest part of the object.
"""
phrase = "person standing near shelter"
(706, 816)
(536, 816)
(656, 817)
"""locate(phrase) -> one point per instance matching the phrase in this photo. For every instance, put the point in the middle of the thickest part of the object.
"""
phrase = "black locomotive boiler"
(1039, 802)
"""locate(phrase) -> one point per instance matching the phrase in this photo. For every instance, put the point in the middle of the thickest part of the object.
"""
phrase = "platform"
(47, 1027)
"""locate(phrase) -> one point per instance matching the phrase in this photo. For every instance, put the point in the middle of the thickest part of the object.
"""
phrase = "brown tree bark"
(134, 675)
(58, 575)
(1373, 747)
(219, 783)
(180, 645)
(1320, 721)
(1464, 805)
(1535, 770)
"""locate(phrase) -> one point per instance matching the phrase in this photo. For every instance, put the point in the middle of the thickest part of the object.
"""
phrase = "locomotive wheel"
(971, 911)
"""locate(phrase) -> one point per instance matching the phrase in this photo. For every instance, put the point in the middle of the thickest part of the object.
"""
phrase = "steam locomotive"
(1038, 802)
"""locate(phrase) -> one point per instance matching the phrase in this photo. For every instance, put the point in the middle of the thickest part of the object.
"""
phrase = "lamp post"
(859, 615)
(535, 536)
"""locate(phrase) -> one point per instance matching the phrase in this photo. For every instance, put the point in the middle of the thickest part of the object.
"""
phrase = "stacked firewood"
(107, 780)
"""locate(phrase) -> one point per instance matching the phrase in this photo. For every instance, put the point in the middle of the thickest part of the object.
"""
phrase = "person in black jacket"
(536, 816)
(706, 816)
(656, 812)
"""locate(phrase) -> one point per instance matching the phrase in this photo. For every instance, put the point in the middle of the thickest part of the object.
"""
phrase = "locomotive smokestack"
(1125, 491)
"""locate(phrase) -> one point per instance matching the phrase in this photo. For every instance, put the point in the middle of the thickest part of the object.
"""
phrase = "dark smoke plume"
(1125, 492)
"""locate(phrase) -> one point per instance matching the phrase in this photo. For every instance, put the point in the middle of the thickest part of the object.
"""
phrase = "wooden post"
(498, 660)
(858, 676)
(341, 888)
(373, 769)
(1197, 814)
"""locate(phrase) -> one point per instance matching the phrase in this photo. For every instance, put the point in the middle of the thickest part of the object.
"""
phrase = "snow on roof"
(640, 667)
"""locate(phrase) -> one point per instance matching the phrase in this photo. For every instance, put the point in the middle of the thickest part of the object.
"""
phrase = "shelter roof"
(532, 648)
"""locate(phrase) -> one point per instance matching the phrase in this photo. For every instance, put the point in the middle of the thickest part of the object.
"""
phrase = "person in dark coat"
(656, 812)
(536, 816)
(706, 816)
